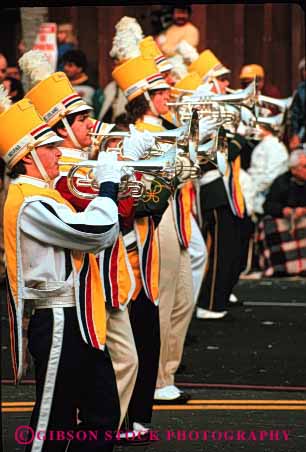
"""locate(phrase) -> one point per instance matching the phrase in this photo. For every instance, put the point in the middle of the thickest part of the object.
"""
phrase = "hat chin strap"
(152, 106)
(216, 85)
(71, 134)
(40, 166)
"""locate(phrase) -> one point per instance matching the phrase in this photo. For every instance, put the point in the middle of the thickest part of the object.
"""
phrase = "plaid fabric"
(282, 246)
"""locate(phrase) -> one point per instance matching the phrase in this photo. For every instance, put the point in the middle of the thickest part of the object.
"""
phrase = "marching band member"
(197, 248)
(135, 77)
(148, 95)
(212, 71)
(223, 207)
(48, 250)
(74, 126)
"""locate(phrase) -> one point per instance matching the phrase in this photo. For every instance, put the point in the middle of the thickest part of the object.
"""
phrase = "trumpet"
(222, 107)
(245, 97)
(165, 167)
(161, 138)
(281, 104)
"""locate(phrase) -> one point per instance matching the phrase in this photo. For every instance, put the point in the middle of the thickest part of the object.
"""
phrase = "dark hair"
(77, 57)
(122, 123)
(17, 170)
(16, 85)
(60, 125)
(136, 108)
(183, 6)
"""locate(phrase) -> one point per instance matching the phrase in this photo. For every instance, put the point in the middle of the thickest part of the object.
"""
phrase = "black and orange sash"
(148, 254)
(118, 282)
(233, 187)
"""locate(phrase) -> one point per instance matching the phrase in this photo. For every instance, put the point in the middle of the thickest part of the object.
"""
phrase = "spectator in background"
(14, 88)
(281, 236)
(3, 67)
(180, 30)
(297, 112)
(75, 67)
(66, 40)
(247, 75)
(269, 160)
(14, 72)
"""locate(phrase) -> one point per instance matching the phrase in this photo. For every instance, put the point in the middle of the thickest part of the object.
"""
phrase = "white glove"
(108, 169)
(242, 129)
(136, 146)
(207, 126)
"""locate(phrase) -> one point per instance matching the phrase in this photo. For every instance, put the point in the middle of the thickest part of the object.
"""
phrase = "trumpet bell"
(282, 104)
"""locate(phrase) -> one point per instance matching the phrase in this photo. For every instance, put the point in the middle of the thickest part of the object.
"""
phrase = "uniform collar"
(148, 119)
(23, 179)
(74, 153)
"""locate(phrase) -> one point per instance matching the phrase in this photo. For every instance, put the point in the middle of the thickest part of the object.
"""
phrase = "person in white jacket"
(269, 160)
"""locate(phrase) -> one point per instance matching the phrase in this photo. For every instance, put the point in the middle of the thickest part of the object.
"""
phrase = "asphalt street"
(246, 378)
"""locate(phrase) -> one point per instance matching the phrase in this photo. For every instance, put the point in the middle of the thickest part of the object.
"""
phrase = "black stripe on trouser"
(85, 381)
(144, 317)
(224, 260)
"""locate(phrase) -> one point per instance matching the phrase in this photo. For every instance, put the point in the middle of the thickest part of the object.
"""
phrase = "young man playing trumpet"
(72, 122)
(48, 250)
(148, 94)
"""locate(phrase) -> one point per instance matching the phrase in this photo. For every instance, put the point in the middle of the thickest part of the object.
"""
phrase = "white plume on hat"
(5, 100)
(188, 52)
(35, 65)
(179, 69)
(125, 42)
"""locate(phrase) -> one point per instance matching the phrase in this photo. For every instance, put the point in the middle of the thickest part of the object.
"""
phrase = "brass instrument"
(168, 137)
(165, 167)
(181, 137)
(281, 104)
(222, 107)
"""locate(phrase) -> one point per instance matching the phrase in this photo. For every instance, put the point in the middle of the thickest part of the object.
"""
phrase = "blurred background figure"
(14, 72)
(75, 67)
(14, 87)
(3, 67)
(297, 113)
(281, 235)
(269, 160)
(263, 86)
(181, 30)
(66, 40)
(161, 19)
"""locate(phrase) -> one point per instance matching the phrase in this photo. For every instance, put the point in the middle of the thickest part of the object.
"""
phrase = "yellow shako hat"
(21, 130)
(149, 48)
(55, 98)
(208, 65)
(191, 81)
(138, 75)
